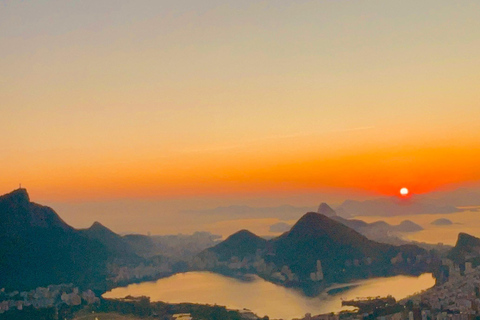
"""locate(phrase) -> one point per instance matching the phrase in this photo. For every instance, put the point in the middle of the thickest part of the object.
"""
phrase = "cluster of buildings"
(459, 295)
(46, 297)
(457, 298)
(209, 260)
(142, 271)
(255, 264)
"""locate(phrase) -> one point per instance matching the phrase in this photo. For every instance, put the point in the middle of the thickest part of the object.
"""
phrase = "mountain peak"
(18, 196)
(326, 210)
(244, 232)
(464, 239)
(244, 235)
(97, 227)
(310, 223)
(18, 214)
(97, 224)
(465, 246)
(314, 225)
(408, 226)
(113, 242)
(239, 244)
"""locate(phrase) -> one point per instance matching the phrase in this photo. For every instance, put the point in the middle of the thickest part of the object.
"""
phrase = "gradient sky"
(102, 100)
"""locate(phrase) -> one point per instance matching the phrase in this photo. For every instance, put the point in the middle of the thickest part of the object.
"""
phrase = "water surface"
(262, 297)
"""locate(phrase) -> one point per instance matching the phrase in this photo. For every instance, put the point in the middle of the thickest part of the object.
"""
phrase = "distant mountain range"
(432, 203)
(462, 197)
(379, 231)
(378, 226)
(316, 249)
(392, 206)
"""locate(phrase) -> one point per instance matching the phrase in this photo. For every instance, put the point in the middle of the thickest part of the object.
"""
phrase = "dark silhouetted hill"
(344, 253)
(18, 215)
(241, 244)
(442, 222)
(467, 248)
(37, 248)
(408, 226)
(117, 247)
(317, 237)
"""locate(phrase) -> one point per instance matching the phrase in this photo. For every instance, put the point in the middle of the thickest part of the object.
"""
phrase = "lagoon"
(263, 297)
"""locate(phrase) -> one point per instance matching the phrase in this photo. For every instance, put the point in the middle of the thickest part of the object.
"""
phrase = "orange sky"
(265, 168)
(236, 100)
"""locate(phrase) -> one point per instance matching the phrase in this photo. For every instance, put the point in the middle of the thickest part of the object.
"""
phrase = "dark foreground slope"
(37, 248)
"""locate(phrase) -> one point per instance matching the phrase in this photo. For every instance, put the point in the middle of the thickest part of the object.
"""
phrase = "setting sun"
(404, 191)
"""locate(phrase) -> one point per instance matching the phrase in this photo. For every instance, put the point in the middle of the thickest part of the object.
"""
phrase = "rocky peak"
(18, 196)
(326, 210)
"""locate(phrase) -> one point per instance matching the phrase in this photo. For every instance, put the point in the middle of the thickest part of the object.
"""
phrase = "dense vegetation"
(139, 307)
(143, 307)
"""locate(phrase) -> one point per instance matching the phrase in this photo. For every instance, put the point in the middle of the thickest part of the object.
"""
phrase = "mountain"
(461, 197)
(391, 207)
(359, 225)
(317, 237)
(115, 245)
(316, 248)
(441, 222)
(18, 214)
(142, 245)
(241, 244)
(378, 230)
(37, 248)
(408, 226)
(379, 226)
(467, 248)
(325, 209)
(176, 246)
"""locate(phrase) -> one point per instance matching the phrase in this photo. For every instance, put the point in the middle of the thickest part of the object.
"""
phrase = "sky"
(263, 102)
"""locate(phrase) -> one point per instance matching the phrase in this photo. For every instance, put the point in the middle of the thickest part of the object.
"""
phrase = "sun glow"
(404, 191)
